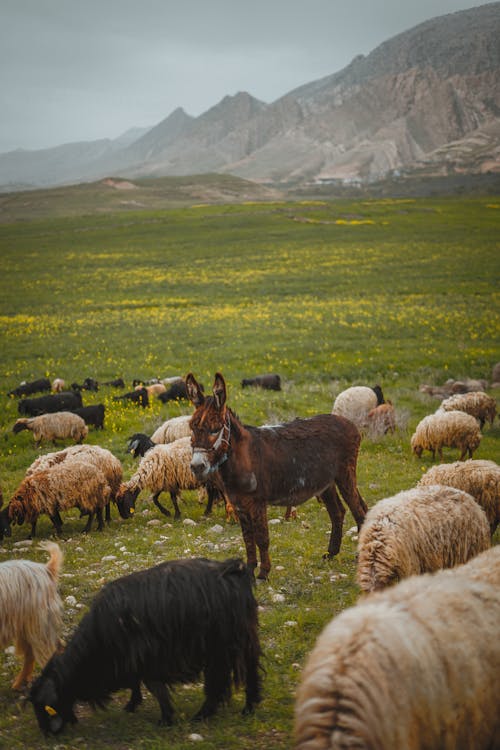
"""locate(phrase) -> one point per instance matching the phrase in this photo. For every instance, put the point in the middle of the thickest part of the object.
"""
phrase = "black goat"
(161, 626)
(92, 415)
(116, 383)
(64, 401)
(137, 397)
(27, 389)
(269, 382)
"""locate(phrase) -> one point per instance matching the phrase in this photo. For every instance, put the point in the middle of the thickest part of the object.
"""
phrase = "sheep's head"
(21, 424)
(17, 510)
(125, 501)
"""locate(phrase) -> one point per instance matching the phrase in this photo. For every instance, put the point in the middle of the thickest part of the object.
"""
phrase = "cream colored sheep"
(173, 429)
(60, 425)
(381, 419)
(476, 403)
(479, 478)
(415, 667)
(354, 403)
(58, 385)
(453, 429)
(65, 485)
(154, 389)
(419, 531)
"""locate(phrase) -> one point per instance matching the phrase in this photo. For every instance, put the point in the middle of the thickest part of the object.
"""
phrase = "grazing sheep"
(89, 384)
(116, 383)
(60, 425)
(419, 531)
(31, 610)
(172, 429)
(164, 468)
(162, 626)
(64, 401)
(154, 389)
(381, 419)
(453, 429)
(356, 402)
(58, 385)
(175, 392)
(27, 389)
(92, 415)
(77, 483)
(477, 477)
(269, 382)
(476, 403)
(136, 397)
(452, 387)
(413, 667)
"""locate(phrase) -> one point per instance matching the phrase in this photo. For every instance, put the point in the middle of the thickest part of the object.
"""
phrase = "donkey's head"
(210, 427)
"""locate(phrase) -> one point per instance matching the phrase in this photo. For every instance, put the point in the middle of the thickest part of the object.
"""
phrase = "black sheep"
(161, 626)
(92, 415)
(268, 382)
(64, 401)
(27, 389)
(136, 397)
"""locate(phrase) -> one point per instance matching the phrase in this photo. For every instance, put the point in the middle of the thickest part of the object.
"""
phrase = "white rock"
(189, 522)
(217, 529)
(70, 600)
(108, 558)
(277, 598)
(195, 737)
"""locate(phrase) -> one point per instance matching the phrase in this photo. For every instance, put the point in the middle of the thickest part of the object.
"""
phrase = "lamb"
(64, 401)
(381, 419)
(164, 468)
(136, 397)
(60, 425)
(27, 389)
(92, 415)
(478, 478)
(31, 610)
(476, 403)
(77, 483)
(419, 531)
(58, 385)
(356, 402)
(162, 626)
(453, 429)
(413, 667)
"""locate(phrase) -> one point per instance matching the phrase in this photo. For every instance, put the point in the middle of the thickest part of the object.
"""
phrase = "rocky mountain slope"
(427, 99)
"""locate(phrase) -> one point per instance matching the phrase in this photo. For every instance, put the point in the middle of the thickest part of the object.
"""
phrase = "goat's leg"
(217, 688)
(24, 648)
(336, 511)
(160, 507)
(135, 698)
(160, 692)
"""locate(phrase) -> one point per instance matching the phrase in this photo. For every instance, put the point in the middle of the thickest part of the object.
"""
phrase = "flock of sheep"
(416, 662)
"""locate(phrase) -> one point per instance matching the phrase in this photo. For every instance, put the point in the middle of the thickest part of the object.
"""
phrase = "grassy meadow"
(328, 295)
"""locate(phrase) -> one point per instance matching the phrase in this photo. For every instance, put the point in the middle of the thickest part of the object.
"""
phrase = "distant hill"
(426, 101)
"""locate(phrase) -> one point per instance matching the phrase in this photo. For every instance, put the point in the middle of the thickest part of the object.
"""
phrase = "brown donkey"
(283, 464)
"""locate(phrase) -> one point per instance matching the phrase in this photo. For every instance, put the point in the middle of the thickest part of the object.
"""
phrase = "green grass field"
(327, 294)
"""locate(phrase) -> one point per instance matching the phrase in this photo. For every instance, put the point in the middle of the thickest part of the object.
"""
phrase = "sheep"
(78, 484)
(163, 468)
(64, 401)
(453, 429)
(356, 402)
(413, 667)
(269, 382)
(452, 387)
(116, 383)
(59, 425)
(31, 610)
(136, 397)
(58, 385)
(89, 384)
(154, 389)
(419, 531)
(96, 456)
(92, 415)
(27, 389)
(172, 429)
(175, 392)
(162, 626)
(476, 403)
(478, 478)
(381, 419)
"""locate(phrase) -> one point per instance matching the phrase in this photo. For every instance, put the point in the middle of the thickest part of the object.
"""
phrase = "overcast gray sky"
(74, 70)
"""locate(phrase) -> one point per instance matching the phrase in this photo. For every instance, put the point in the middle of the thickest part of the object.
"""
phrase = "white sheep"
(173, 429)
(58, 385)
(153, 389)
(476, 403)
(354, 403)
(419, 531)
(413, 667)
(479, 478)
(65, 485)
(163, 468)
(453, 429)
(60, 425)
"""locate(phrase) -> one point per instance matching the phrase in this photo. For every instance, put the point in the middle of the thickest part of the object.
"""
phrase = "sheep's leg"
(135, 698)
(160, 507)
(173, 497)
(33, 529)
(88, 524)
(336, 511)
(24, 675)
(57, 522)
(160, 692)
(107, 512)
(100, 522)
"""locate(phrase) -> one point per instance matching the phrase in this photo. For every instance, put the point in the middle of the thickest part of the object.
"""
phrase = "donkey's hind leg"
(336, 511)
(348, 486)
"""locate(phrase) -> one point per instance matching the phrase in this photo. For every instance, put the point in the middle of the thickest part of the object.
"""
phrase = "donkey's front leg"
(261, 533)
(247, 529)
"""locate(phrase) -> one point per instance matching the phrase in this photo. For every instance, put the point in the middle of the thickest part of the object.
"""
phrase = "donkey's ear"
(194, 390)
(219, 390)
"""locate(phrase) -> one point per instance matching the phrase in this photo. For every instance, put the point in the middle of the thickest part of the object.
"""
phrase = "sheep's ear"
(194, 390)
(219, 390)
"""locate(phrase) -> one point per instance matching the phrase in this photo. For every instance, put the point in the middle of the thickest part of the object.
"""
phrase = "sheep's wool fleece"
(165, 466)
(390, 672)
(354, 403)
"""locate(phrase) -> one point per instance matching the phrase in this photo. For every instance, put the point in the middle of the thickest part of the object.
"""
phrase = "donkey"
(282, 464)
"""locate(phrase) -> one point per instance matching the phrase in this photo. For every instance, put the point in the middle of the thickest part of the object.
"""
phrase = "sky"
(81, 70)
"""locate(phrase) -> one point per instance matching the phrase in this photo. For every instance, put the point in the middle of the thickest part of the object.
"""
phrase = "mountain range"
(426, 101)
